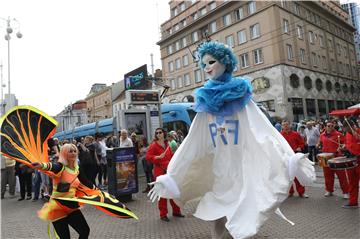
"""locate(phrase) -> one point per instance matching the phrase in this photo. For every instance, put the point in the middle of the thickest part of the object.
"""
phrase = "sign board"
(125, 171)
(136, 79)
(142, 97)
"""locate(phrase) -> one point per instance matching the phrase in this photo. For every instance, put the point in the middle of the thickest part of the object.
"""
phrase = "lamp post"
(9, 31)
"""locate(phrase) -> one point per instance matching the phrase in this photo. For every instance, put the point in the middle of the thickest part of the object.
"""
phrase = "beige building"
(299, 56)
(99, 103)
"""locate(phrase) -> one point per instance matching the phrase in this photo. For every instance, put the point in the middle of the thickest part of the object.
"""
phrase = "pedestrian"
(172, 141)
(331, 141)
(232, 160)
(352, 143)
(7, 176)
(125, 141)
(90, 162)
(312, 136)
(102, 177)
(296, 142)
(159, 154)
(147, 165)
(25, 177)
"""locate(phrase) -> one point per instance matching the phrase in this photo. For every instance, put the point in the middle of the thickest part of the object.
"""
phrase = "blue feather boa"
(223, 96)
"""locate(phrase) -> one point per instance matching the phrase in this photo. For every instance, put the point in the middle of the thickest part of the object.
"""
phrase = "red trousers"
(354, 177)
(299, 188)
(329, 175)
(163, 207)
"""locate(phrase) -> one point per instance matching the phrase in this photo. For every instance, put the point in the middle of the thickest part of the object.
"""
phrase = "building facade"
(72, 116)
(99, 103)
(354, 18)
(299, 56)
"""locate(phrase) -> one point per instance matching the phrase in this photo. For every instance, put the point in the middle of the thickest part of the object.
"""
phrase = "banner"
(126, 171)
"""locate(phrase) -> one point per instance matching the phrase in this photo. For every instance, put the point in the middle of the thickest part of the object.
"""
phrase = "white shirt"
(312, 136)
(126, 143)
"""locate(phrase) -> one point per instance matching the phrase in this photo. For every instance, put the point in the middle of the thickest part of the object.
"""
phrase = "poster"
(136, 122)
(126, 171)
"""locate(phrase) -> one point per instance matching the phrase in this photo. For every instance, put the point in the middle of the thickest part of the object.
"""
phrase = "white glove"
(302, 168)
(163, 187)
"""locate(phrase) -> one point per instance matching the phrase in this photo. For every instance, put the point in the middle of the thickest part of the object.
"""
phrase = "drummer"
(352, 144)
(330, 141)
(297, 143)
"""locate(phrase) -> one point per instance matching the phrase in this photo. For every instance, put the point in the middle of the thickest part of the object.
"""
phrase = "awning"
(354, 106)
(345, 112)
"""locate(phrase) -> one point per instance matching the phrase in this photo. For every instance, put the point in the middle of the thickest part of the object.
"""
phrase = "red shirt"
(294, 139)
(352, 143)
(160, 165)
(330, 142)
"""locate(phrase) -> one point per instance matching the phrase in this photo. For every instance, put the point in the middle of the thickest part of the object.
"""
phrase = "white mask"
(212, 67)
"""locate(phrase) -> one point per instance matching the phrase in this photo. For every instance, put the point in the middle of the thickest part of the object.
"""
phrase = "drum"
(340, 163)
(323, 158)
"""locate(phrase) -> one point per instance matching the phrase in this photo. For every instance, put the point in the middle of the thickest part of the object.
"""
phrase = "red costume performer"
(331, 141)
(352, 142)
(297, 143)
(160, 156)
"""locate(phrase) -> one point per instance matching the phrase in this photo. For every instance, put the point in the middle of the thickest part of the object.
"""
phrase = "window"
(300, 32)
(171, 66)
(182, 6)
(255, 31)
(285, 26)
(180, 82)
(258, 56)
(187, 79)
(345, 51)
(184, 43)
(296, 9)
(174, 11)
(338, 48)
(244, 60)
(252, 7)
(310, 106)
(213, 27)
(195, 36)
(294, 81)
(203, 11)
(313, 58)
(311, 37)
(172, 84)
(170, 49)
(183, 23)
(176, 27)
(197, 74)
(307, 82)
(227, 20)
(330, 45)
(242, 36)
(177, 63)
(230, 41)
(324, 62)
(185, 60)
(212, 5)
(302, 56)
(239, 14)
(195, 16)
(289, 50)
(321, 41)
(177, 46)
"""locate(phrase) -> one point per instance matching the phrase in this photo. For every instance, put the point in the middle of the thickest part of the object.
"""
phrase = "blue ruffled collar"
(223, 96)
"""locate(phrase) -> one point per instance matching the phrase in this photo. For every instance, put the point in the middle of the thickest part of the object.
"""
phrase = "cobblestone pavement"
(315, 217)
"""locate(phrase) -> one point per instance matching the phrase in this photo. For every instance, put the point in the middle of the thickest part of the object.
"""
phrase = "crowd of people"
(34, 184)
(324, 140)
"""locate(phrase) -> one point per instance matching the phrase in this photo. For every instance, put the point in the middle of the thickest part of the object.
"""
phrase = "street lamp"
(9, 30)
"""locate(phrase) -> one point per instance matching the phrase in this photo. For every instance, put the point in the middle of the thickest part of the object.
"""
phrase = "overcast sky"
(69, 45)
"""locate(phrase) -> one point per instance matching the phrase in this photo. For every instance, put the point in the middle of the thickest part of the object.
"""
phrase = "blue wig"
(220, 52)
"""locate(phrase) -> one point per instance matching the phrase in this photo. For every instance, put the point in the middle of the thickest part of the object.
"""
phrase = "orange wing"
(24, 133)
